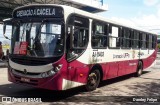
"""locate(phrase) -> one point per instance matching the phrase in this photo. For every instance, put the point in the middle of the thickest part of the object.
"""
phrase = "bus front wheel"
(139, 69)
(93, 80)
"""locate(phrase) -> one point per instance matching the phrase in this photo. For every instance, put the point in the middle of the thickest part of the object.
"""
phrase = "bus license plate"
(25, 79)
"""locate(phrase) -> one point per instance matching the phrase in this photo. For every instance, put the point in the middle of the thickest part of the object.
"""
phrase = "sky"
(143, 14)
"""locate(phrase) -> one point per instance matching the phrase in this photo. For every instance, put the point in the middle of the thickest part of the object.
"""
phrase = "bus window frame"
(119, 35)
(142, 40)
(147, 41)
(130, 37)
(150, 47)
(71, 36)
(135, 39)
(154, 41)
(105, 34)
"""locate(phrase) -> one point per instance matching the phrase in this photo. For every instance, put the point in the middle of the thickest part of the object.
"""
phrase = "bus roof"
(87, 14)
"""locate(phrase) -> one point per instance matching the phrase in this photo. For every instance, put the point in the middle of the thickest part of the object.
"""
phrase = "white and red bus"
(59, 47)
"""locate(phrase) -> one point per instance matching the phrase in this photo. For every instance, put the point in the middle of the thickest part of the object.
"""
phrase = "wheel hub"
(92, 79)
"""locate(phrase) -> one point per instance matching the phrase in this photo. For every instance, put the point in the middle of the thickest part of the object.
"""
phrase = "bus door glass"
(77, 36)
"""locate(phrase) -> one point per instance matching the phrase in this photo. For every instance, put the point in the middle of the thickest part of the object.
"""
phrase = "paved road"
(146, 85)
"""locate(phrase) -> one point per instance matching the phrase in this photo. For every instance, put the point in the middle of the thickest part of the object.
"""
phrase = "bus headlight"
(58, 67)
(48, 73)
(52, 71)
(44, 74)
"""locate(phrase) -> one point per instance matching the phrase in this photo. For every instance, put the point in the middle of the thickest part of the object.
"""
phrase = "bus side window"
(154, 41)
(135, 39)
(77, 36)
(150, 41)
(114, 39)
(99, 35)
(126, 38)
(143, 41)
(147, 41)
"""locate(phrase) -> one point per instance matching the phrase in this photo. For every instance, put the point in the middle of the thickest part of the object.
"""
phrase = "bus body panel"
(76, 73)
(113, 62)
(52, 83)
(147, 62)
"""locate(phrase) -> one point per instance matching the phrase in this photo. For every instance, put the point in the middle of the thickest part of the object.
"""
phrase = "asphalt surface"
(122, 90)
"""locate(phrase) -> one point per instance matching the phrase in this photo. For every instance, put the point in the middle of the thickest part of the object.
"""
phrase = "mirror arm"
(6, 37)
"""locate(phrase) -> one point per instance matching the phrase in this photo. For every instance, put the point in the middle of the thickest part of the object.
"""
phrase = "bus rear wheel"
(139, 69)
(93, 80)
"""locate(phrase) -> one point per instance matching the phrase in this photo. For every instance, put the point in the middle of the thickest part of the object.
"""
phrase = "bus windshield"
(44, 39)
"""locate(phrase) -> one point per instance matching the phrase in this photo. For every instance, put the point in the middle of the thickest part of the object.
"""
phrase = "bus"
(58, 47)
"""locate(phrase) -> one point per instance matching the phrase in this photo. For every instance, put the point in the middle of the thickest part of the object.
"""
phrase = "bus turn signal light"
(81, 75)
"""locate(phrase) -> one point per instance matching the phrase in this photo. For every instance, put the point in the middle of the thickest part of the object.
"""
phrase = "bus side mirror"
(4, 31)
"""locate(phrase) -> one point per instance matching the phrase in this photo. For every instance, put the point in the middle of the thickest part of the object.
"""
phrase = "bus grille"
(29, 62)
(28, 73)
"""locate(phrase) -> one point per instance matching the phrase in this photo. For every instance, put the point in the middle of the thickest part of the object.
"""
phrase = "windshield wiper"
(22, 32)
(37, 38)
(39, 30)
(25, 27)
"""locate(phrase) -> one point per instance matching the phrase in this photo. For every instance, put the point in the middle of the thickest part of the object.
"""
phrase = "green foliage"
(159, 46)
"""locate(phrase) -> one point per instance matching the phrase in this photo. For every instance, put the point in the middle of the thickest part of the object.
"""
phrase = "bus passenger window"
(135, 40)
(99, 35)
(126, 38)
(114, 39)
(143, 41)
(154, 39)
(150, 42)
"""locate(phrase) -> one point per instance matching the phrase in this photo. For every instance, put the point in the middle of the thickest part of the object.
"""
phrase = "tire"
(139, 69)
(93, 80)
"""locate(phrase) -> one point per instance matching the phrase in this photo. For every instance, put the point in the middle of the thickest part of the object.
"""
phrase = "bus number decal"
(98, 54)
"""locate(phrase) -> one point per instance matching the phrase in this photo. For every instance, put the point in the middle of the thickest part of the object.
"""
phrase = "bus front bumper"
(50, 83)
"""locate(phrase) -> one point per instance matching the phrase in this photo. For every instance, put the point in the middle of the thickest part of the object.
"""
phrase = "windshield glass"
(42, 39)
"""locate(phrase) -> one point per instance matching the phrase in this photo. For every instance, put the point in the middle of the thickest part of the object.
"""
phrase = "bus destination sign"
(38, 12)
